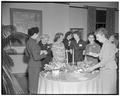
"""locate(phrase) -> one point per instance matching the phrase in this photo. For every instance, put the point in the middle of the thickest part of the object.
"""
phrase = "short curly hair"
(57, 36)
(102, 31)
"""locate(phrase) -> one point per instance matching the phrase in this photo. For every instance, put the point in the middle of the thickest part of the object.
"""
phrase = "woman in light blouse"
(107, 63)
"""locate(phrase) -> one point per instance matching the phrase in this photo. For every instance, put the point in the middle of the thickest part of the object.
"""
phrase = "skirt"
(107, 81)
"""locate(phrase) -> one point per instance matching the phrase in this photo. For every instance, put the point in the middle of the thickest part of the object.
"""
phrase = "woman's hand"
(45, 52)
(41, 52)
(83, 52)
(90, 69)
(93, 54)
(67, 50)
(71, 51)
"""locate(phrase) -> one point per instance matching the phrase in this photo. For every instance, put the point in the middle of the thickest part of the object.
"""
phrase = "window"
(100, 18)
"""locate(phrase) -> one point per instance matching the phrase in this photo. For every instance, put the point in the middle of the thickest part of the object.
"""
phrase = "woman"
(58, 51)
(107, 63)
(67, 41)
(34, 66)
(43, 43)
(78, 45)
(91, 47)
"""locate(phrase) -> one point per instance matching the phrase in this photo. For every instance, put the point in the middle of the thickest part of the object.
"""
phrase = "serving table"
(68, 83)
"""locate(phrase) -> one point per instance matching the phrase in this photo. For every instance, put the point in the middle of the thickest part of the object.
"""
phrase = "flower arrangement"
(54, 66)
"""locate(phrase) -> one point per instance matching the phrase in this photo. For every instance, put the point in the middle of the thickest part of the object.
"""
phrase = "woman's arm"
(35, 52)
(108, 54)
(94, 67)
(93, 54)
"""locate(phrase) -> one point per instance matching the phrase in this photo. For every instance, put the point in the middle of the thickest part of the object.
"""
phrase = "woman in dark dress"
(43, 43)
(78, 45)
(34, 66)
(67, 41)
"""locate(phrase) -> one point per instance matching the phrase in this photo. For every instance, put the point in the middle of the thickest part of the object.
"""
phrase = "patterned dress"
(58, 51)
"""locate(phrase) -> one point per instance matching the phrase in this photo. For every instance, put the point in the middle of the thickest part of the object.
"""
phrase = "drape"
(110, 20)
(91, 19)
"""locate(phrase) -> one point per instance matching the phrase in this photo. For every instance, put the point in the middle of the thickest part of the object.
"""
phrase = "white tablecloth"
(64, 84)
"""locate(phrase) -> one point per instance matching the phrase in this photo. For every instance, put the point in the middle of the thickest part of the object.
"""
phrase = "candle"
(10, 44)
(73, 57)
(55, 72)
(67, 56)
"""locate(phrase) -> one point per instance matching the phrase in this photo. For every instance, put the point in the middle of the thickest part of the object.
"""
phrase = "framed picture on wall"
(23, 19)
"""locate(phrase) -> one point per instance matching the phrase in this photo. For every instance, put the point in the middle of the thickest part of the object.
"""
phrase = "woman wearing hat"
(43, 43)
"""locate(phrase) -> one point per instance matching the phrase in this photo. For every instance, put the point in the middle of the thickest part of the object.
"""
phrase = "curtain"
(110, 20)
(91, 19)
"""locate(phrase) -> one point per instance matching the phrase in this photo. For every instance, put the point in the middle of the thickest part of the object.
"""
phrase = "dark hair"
(67, 34)
(102, 31)
(57, 36)
(78, 33)
(32, 31)
(91, 34)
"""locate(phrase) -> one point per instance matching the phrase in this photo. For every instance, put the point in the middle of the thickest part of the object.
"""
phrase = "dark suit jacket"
(34, 66)
(48, 57)
(78, 49)
(33, 50)
(67, 44)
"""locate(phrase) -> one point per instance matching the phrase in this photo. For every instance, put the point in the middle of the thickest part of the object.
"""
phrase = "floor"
(23, 81)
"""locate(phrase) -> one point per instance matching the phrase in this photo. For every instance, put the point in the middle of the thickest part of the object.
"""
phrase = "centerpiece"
(55, 67)
(61, 66)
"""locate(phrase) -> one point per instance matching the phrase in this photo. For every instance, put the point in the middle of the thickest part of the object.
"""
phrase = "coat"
(78, 49)
(67, 44)
(48, 57)
(33, 50)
